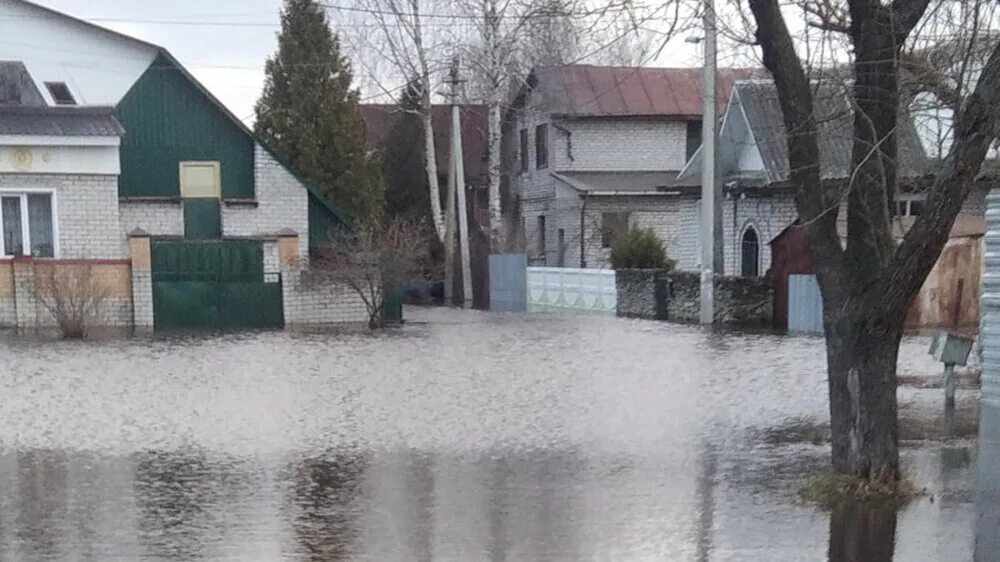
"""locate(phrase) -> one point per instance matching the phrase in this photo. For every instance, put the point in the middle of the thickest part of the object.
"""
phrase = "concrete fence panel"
(566, 289)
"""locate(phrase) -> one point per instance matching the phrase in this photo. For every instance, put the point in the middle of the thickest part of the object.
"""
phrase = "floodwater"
(462, 436)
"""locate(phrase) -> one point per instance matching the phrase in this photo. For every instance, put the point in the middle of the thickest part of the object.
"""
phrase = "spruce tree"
(308, 113)
(406, 193)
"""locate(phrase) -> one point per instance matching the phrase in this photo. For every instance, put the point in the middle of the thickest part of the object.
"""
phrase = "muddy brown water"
(462, 436)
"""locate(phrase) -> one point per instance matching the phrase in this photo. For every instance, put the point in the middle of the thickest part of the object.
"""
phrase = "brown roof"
(379, 119)
(600, 91)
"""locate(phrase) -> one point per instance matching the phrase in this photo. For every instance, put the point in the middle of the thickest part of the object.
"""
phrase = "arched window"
(751, 253)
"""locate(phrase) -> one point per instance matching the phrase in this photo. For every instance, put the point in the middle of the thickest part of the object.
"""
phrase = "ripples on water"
(462, 436)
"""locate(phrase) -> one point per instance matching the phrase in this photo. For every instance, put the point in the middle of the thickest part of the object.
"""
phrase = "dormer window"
(60, 93)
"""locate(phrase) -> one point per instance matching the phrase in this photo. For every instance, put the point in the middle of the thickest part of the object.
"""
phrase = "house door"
(214, 284)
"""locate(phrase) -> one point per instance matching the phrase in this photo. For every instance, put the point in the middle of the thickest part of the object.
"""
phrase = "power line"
(624, 7)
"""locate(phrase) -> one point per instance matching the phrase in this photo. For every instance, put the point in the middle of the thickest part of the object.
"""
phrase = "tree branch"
(975, 130)
(906, 14)
(813, 200)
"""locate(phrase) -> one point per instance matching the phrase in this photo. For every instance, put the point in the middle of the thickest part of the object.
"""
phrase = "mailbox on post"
(951, 350)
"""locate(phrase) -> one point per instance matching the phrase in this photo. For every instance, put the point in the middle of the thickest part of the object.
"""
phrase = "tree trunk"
(430, 163)
(493, 175)
(861, 357)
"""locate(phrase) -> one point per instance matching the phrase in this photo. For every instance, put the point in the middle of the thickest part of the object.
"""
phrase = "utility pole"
(458, 173)
(449, 233)
(710, 225)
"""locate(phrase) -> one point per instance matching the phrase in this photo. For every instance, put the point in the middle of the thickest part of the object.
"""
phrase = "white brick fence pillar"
(25, 295)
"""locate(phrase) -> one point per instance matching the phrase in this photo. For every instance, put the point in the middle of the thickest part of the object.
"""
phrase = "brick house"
(598, 150)
(112, 137)
(590, 150)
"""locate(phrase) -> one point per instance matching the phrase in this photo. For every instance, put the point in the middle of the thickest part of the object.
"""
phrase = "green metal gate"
(213, 284)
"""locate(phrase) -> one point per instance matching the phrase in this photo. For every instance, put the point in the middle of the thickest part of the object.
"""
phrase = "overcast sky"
(228, 58)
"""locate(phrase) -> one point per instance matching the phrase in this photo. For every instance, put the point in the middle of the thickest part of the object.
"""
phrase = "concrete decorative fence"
(676, 296)
(571, 289)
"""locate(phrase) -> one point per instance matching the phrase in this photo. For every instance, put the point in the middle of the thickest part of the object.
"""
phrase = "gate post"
(290, 263)
(142, 280)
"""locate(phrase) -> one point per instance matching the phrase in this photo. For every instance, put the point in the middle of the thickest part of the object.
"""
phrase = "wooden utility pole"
(457, 172)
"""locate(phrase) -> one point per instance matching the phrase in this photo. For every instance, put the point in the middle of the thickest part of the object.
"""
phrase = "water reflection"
(517, 438)
(323, 506)
(41, 493)
(862, 532)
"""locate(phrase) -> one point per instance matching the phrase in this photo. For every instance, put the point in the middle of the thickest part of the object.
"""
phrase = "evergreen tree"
(406, 194)
(308, 112)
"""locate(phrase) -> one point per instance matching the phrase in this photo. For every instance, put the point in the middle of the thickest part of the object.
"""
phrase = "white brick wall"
(619, 145)
(8, 313)
(142, 296)
(282, 202)
(87, 211)
(160, 218)
(768, 215)
(674, 219)
(316, 302)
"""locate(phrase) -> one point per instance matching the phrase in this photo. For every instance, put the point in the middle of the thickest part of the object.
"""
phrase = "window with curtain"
(27, 223)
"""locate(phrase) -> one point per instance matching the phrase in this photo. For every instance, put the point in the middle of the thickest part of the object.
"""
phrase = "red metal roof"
(379, 119)
(595, 91)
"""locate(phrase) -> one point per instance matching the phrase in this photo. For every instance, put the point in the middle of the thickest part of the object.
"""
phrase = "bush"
(639, 248)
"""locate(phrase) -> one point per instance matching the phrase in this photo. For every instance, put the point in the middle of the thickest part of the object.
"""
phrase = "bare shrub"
(377, 260)
(73, 295)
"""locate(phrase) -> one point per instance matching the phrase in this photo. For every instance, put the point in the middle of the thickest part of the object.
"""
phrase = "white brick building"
(593, 150)
(117, 161)
(587, 161)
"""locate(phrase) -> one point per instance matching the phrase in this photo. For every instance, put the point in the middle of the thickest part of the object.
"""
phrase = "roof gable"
(754, 126)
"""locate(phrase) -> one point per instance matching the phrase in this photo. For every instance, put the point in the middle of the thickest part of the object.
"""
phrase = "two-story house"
(592, 150)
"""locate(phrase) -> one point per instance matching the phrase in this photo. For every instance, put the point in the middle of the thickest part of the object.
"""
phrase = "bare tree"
(396, 32)
(72, 294)
(868, 284)
(376, 261)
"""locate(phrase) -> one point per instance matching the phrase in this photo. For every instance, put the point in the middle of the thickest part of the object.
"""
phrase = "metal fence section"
(805, 305)
(988, 480)
(508, 282)
(571, 290)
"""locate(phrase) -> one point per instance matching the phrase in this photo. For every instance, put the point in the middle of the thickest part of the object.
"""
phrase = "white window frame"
(23, 193)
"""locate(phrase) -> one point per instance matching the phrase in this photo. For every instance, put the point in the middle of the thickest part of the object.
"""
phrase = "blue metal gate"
(508, 282)
(805, 305)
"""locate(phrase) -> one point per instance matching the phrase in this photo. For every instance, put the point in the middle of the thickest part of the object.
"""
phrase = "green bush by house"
(639, 248)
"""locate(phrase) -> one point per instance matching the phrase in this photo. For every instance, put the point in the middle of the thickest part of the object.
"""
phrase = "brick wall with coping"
(28, 291)
(87, 211)
(311, 299)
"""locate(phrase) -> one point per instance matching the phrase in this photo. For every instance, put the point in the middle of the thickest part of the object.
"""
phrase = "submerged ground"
(462, 436)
